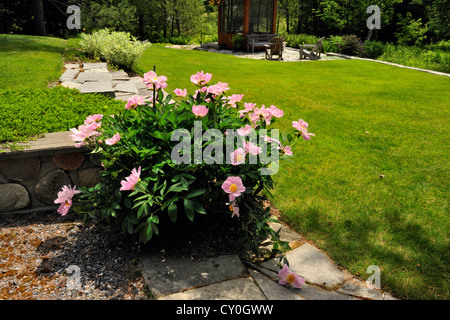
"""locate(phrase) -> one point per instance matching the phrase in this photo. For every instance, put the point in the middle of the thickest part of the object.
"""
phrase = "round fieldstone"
(89, 177)
(46, 190)
(13, 196)
(25, 170)
(69, 161)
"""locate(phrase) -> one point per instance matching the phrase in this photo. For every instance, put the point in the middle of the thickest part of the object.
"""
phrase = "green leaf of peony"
(173, 210)
(189, 209)
(196, 193)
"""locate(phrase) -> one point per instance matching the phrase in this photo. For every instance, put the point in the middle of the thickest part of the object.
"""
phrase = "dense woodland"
(165, 20)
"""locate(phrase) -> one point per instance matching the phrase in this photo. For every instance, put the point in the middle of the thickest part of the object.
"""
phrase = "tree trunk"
(39, 22)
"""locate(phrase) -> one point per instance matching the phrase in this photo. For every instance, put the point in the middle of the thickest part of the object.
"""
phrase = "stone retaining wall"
(32, 178)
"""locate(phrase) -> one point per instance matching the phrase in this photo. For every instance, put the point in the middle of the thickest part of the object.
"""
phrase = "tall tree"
(39, 22)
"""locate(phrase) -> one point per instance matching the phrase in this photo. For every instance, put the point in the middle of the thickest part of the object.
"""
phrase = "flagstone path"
(96, 78)
(228, 277)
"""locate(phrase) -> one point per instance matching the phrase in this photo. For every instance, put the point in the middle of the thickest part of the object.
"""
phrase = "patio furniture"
(259, 40)
(314, 53)
(275, 48)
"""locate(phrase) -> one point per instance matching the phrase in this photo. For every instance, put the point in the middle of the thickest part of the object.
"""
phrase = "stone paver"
(272, 290)
(93, 77)
(69, 75)
(127, 87)
(99, 65)
(235, 289)
(104, 88)
(170, 275)
(313, 265)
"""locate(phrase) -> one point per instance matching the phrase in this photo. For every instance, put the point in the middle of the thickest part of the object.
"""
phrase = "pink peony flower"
(247, 108)
(277, 113)
(270, 139)
(287, 150)
(302, 126)
(85, 133)
(151, 78)
(252, 148)
(261, 114)
(237, 157)
(115, 138)
(233, 186)
(200, 111)
(218, 88)
(65, 199)
(233, 99)
(180, 93)
(201, 78)
(134, 101)
(289, 278)
(92, 118)
(244, 131)
(233, 208)
(130, 182)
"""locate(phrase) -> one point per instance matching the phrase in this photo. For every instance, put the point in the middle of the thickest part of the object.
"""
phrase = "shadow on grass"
(27, 43)
(417, 269)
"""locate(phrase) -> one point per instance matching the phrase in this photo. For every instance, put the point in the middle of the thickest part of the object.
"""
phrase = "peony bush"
(208, 153)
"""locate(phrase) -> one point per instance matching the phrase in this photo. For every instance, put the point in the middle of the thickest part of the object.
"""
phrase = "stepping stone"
(359, 288)
(127, 87)
(69, 75)
(71, 85)
(102, 70)
(124, 97)
(170, 275)
(272, 290)
(236, 289)
(119, 75)
(104, 88)
(72, 66)
(93, 77)
(87, 66)
(313, 265)
(314, 293)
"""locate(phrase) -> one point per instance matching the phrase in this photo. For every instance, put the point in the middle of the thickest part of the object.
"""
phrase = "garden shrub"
(332, 44)
(351, 45)
(164, 160)
(296, 40)
(118, 48)
(373, 49)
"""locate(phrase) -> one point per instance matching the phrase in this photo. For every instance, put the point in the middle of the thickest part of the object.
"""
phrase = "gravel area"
(43, 254)
(37, 249)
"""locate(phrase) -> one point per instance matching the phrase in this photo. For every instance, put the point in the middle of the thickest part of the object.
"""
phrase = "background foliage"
(191, 20)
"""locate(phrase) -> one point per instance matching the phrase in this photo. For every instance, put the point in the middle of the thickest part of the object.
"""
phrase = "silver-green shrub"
(118, 48)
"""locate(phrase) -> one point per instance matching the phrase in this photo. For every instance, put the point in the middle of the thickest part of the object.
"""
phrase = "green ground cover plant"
(27, 113)
(372, 188)
(28, 107)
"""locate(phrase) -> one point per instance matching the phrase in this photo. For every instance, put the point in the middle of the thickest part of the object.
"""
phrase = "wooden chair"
(314, 53)
(275, 48)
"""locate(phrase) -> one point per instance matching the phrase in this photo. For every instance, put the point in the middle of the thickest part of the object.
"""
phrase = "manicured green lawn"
(371, 188)
(29, 61)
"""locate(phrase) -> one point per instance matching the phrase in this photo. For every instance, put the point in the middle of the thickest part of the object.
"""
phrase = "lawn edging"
(30, 179)
(388, 63)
